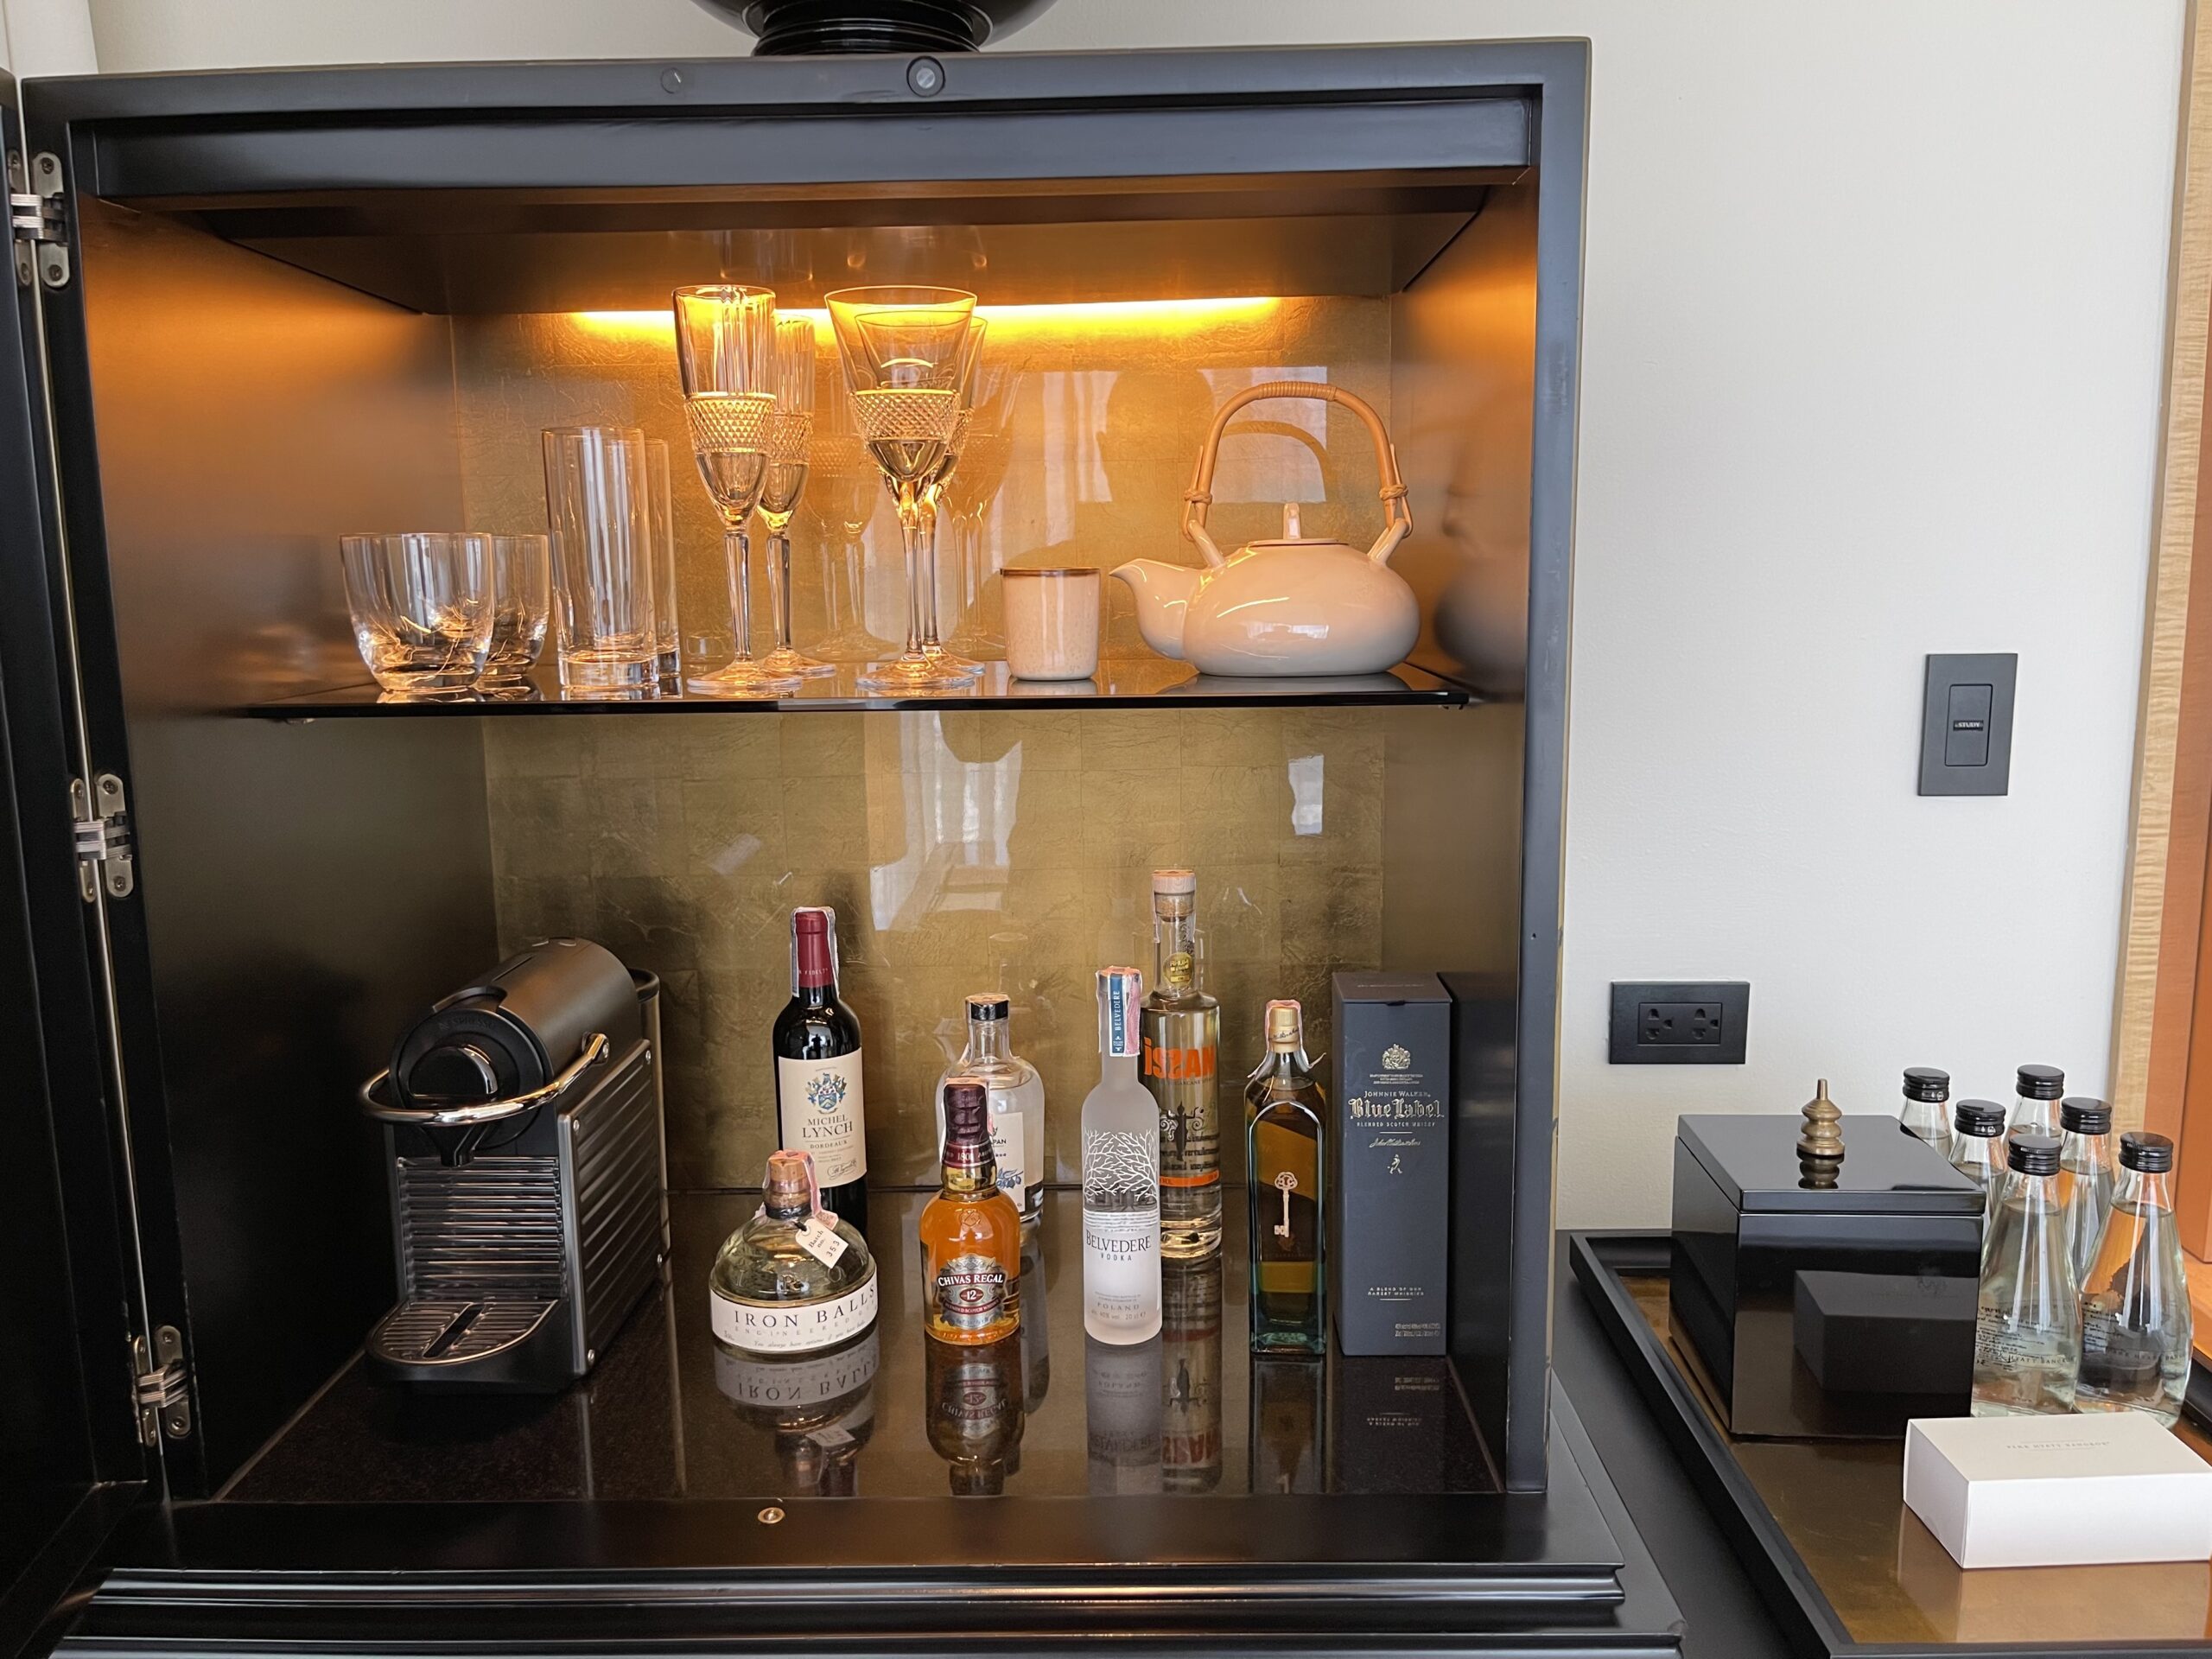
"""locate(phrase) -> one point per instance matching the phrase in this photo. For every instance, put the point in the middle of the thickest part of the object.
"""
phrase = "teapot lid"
(1291, 538)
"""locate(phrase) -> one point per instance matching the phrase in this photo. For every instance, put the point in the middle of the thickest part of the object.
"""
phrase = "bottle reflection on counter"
(820, 1409)
(1036, 1349)
(1122, 1415)
(974, 1416)
(1190, 1375)
(1290, 1421)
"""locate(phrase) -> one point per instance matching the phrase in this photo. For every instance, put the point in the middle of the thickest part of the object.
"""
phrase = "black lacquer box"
(1827, 1311)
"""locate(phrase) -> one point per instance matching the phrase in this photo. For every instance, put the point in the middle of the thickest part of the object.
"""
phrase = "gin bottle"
(1286, 1180)
(2040, 1087)
(1017, 1102)
(2086, 1176)
(1182, 1038)
(2027, 1339)
(1121, 1177)
(2135, 1313)
(1927, 1105)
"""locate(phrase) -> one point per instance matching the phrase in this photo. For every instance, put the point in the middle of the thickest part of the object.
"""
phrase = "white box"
(2058, 1491)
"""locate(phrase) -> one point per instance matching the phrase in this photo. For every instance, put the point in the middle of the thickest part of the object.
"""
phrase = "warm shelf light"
(1090, 316)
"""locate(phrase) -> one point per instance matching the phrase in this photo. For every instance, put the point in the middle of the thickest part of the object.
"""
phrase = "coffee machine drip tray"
(418, 1337)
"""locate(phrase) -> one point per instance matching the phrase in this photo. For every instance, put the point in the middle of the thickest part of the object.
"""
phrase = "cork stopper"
(1820, 1148)
(1285, 1025)
(788, 1188)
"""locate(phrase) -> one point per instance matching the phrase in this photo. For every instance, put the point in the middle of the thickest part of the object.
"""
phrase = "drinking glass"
(725, 351)
(522, 595)
(986, 446)
(842, 488)
(791, 434)
(903, 350)
(421, 606)
(933, 488)
(597, 502)
(660, 510)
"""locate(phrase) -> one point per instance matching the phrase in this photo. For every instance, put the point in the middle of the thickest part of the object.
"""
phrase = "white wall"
(1873, 327)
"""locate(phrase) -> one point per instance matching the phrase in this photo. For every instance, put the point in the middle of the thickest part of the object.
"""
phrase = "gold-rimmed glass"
(902, 350)
(725, 352)
(791, 437)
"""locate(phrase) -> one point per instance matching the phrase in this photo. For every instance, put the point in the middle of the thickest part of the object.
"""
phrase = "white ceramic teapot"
(1300, 605)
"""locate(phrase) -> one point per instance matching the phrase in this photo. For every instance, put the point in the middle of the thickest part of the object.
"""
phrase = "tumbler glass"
(421, 605)
(660, 506)
(521, 600)
(596, 500)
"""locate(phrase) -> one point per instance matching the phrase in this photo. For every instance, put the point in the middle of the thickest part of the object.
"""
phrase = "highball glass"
(597, 503)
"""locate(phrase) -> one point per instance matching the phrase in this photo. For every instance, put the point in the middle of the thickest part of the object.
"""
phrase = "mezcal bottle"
(1286, 1178)
(2027, 1339)
(1121, 1177)
(2086, 1176)
(1182, 1039)
(2136, 1323)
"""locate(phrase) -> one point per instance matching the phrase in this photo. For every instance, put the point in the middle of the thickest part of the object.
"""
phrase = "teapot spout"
(1163, 593)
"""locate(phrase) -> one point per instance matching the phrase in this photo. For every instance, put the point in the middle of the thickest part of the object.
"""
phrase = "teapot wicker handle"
(1397, 521)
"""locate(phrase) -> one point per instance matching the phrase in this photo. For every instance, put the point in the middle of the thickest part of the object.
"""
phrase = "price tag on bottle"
(819, 1240)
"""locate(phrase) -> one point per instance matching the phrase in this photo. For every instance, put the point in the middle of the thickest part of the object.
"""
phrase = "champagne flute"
(986, 448)
(725, 351)
(902, 350)
(841, 482)
(971, 351)
(791, 435)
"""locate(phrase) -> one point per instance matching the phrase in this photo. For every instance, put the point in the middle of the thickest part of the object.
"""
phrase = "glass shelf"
(668, 1414)
(1152, 682)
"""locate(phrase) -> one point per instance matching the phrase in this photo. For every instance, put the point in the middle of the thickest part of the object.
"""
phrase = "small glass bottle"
(1121, 1175)
(2136, 1323)
(1017, 1102)
(2086, 1176)
(2027, 1339)
(1182, 1041)
(793, 1279)
(970, 1233)
(1977, 1141)
(1286, 1165)
(2040, 1087)
(1927, 1106)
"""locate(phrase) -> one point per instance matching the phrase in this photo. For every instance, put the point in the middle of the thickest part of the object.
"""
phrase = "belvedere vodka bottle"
(1121, 1177)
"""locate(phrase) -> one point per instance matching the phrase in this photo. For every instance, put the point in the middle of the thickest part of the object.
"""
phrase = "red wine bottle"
(818, 1038)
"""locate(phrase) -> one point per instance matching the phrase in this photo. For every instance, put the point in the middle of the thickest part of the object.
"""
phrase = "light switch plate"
(1966, 724)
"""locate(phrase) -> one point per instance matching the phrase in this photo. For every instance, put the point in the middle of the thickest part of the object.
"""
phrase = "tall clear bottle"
(1121, 1177)
(1976, 1145)
(2039, 1088)
(1286, 1178)
(1928, 1106)
(2086, 1176)
(1017, 1102)
(2136, 1324)
(2027, 1340)
(1182, 1043)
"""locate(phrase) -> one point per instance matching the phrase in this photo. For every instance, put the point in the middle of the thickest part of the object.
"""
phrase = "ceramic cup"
(1051, 622)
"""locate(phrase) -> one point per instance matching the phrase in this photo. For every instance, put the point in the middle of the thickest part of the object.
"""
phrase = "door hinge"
(103, 832)
(164, 1387)
(38, 214)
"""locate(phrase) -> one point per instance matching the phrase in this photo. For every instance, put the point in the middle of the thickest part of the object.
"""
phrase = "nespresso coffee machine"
(529, 1182)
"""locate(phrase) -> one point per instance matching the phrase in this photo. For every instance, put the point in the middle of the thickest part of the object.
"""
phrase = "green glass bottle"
(1286, 1140)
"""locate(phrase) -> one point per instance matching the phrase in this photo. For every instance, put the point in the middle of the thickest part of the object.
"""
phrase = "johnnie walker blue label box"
(1389, 1224)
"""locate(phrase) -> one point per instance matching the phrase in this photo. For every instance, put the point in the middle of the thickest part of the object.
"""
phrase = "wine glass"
(902, 350)
(985, 446)
(971, 352)
(791, 434)
(725, 351)
(843, 486)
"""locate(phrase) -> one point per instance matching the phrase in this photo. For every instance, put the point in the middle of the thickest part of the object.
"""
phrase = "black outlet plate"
(1679, 1021)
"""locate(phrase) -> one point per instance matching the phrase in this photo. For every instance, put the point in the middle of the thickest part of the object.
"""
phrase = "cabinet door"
(70, 1450)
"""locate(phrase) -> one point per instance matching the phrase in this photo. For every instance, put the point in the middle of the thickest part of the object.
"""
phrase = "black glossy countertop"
(668, 1413)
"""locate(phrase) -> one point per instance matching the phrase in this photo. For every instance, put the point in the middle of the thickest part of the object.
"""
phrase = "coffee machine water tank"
(523, 1129)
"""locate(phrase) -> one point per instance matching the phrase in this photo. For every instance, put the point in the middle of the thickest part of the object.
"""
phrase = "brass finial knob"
(1820, 1148)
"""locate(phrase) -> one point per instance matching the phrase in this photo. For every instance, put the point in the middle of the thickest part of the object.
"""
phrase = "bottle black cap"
(1926, 1082)
(2153, 1154)
(2085, 1115)
(2041, 1083)
(987, 1006)
(2030, 1151)
(1983, 1118)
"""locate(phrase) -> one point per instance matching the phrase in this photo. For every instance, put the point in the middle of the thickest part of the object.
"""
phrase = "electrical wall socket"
(1680, 1022)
